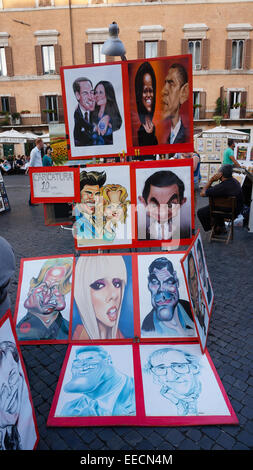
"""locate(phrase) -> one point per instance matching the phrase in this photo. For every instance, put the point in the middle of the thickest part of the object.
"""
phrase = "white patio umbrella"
(30, 135)
(223, 131)
(12, 137)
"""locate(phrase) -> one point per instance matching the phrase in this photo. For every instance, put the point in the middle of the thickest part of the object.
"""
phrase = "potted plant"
(15, 118)
(225, 108)
(218, 109)
(4, 118)
(217, 120)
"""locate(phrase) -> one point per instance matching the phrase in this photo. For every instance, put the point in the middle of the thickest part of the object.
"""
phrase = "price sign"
(57, 184)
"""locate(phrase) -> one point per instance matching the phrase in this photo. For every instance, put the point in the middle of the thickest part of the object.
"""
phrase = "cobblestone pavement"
(229, 342)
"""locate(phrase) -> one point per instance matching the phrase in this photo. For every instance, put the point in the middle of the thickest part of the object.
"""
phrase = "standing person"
(228, 155)
(145, 93)
(47, 159)
(36, 159)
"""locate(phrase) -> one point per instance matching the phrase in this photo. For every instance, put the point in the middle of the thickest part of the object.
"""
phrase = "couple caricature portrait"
(103, 211)
(97, 115)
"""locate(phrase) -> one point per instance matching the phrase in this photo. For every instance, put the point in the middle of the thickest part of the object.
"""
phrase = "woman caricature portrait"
(115, 209)
(145, 93)
(106, 117)
(99, 291)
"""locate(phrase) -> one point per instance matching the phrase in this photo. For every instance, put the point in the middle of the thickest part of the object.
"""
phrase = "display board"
(244, 155)
(44, 299)
(4, 201)
(18, 427)
(54, 184)
(117, 296)
(134, 205)
(125, 107)
(139, 385)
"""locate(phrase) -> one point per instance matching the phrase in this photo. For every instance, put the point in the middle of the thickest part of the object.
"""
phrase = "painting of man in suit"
(175, 92)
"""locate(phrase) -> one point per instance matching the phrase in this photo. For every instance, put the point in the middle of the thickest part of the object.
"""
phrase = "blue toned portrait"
(104, 389)
(103, 298)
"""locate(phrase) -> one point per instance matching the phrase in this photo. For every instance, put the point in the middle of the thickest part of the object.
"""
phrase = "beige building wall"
(177, 20)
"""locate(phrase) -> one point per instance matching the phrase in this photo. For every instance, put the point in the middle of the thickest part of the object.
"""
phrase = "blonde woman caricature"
(115, 209)
(99, 290)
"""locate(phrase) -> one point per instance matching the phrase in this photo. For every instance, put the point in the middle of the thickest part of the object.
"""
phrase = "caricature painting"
(45, 299)
(203, 273)
(164, 203)
(18, 429)
(103, 298)
(160, 92)
(196, 295)
(103, 217)
(165, 310)
(179, 381)
(98, 381)
(94, 110)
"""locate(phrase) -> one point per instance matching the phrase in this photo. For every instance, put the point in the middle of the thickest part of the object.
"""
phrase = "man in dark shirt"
(227, 187)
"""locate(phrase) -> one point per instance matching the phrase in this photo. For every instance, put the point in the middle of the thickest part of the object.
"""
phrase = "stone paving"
(229, 342)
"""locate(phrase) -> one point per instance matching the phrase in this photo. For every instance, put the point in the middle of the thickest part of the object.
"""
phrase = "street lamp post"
(113, 46)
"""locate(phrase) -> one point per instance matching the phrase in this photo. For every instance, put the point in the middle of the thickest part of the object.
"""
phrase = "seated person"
(227, 187)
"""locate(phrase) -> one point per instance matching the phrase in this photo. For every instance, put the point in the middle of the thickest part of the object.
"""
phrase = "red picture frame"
(136, 293)
(180, 166)
(122, 75)
(8, 317)
(18, 298)
(141, 418)
(202, 340)
(51, 171)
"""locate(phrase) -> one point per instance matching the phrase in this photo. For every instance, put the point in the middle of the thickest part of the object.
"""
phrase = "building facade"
(37, 37)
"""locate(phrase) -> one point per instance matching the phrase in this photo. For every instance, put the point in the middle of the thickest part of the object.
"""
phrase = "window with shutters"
(44, 3)
(3, 67)
(97, 55)
(151, 43)
(151, 49)
(48, 59)
(238, 48)
(237, 54)
(5, 104)
(51, 108)
(196, 43)
(196, 104)
(194, 48)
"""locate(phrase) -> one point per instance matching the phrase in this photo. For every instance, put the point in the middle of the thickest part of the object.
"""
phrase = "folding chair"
(223, 207)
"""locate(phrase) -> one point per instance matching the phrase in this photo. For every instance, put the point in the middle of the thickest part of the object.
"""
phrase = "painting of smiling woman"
(99, 291)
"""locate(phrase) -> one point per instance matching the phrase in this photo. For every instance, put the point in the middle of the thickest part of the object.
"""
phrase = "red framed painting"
(164, 201)
(54, 184)
(44, 299)
(18, 427)
(196, 294)
(130, 205)
(110, 110)
(104, 218)
(159, 123)
(138, 296)
(205, 279)
(117, 385)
